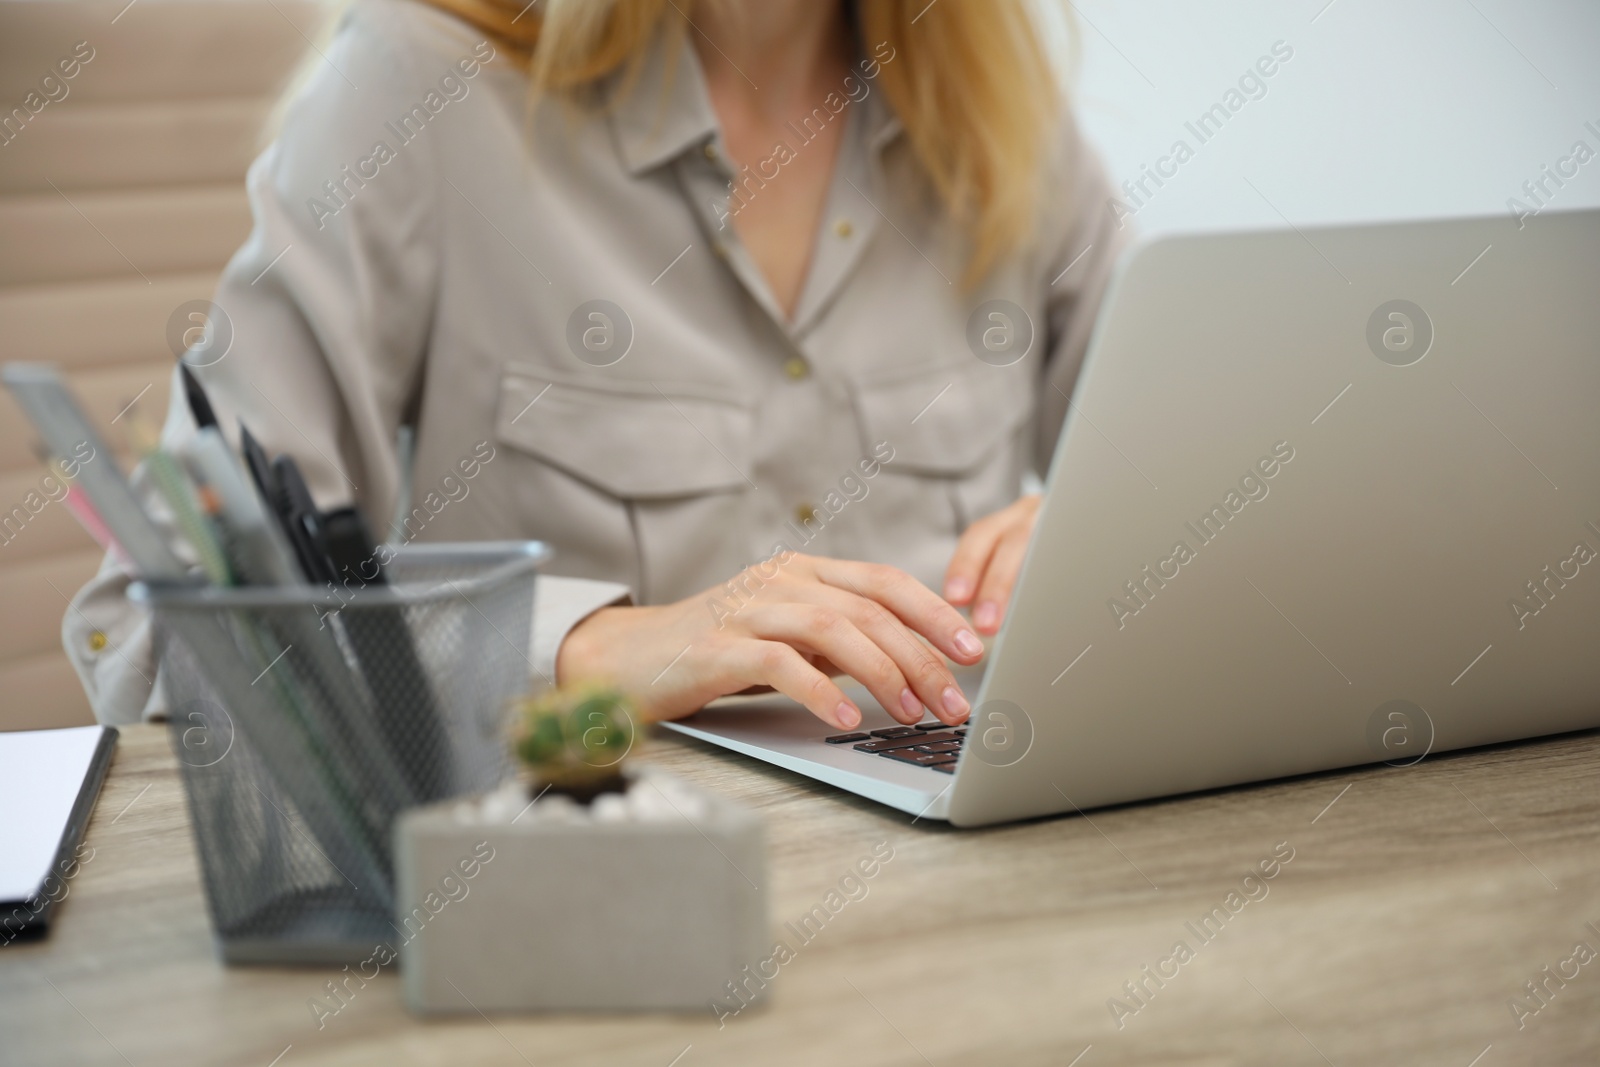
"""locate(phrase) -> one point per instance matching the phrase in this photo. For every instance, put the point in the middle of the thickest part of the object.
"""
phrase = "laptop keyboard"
(927, 744)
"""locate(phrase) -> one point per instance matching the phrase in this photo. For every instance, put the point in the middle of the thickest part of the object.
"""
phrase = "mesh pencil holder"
(305, 720)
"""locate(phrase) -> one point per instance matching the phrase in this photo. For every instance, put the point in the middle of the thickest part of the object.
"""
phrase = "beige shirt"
(561, 308)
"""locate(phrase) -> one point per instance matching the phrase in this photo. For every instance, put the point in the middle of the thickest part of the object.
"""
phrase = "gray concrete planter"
(650, 900)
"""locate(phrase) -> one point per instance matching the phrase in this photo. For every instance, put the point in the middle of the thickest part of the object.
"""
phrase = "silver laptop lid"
(1323, 498)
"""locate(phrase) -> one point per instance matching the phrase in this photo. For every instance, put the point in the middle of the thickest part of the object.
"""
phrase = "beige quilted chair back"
(125, 133)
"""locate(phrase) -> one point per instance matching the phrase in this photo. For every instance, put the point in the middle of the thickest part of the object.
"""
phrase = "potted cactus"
(573, 742)
(596, 883)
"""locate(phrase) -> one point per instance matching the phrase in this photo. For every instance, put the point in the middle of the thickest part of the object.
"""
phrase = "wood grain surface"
(1417, 904)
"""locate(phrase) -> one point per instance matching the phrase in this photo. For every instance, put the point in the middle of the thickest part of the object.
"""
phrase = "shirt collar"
(882, 125)
(664, 110)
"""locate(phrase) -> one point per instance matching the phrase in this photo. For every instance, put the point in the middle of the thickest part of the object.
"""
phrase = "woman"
(756, 311)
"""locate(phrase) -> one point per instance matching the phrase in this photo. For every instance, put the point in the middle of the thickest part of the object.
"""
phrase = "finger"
(784, 669)
(823, 664)
(999, 579)
(971, 555)
(912, 602)
(924, 670)
(830, 634)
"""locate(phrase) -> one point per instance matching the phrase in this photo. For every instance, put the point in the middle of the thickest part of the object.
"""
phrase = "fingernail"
(954, 702)
(958, 589)
(967, 643)
(848, 716)
(910, 705)
(986, 614)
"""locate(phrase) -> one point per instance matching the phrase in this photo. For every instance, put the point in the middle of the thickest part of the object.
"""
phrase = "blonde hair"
(971, 84)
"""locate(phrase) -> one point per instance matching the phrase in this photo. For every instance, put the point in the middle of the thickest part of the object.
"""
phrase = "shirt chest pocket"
(958, 434)
(947, 420)
(630, 481)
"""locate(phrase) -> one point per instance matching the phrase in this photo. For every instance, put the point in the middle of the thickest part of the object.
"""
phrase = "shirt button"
(843, 228)
(796, 368)
(805, 513)
(97, 642)
(711, 151)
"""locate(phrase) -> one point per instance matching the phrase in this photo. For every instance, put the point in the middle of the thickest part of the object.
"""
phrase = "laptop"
(1324, 497)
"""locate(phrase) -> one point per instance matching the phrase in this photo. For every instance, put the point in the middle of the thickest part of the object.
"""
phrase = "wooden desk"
(1417, 904)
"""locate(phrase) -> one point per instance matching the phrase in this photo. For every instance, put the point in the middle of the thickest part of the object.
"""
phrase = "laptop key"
(839, 739)
(943, 746)
(884, 744)
(948, 768)
(935, 725)
(894, 731)
(922, 759)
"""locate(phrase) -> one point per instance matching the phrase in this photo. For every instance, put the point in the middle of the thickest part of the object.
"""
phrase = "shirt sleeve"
(1088, 240)
(559, 605)
(322, 321)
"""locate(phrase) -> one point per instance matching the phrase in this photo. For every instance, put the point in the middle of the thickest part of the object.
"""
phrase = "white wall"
(1387, 108)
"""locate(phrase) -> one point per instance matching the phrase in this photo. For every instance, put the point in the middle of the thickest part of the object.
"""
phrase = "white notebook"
(49, 780)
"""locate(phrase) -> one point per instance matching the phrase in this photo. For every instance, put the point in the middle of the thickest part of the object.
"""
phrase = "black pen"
(199, 404)
(301, 521)
(255, 461)
(414, 726)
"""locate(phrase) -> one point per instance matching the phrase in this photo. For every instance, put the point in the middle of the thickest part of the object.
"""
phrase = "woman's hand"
(787, 623)
(987, 560)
